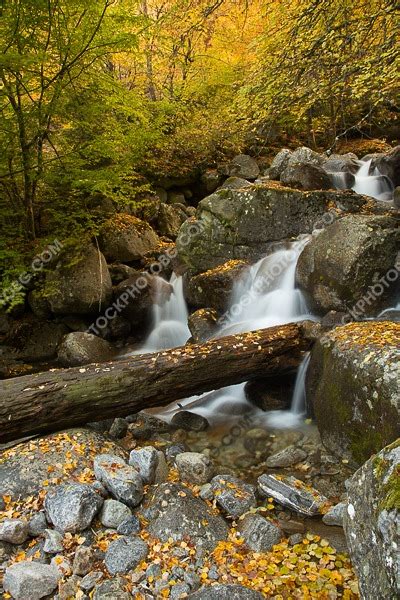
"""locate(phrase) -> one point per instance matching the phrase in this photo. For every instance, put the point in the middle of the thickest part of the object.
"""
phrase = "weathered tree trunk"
(66, 397)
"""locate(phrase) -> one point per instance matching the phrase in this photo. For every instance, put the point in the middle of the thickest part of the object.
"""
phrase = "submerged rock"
(371, 524)
(357, 413)
(173, 511)
(293, 494)
(286, 458)
(189, 421)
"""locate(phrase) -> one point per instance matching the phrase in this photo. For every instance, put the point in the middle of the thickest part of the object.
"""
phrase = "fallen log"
(62, 398)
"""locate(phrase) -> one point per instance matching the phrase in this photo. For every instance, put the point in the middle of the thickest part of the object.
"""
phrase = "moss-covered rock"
(80, 284)
(353, 388)
(245, 223)
(127, 238)
(340, 265)
(371, 524)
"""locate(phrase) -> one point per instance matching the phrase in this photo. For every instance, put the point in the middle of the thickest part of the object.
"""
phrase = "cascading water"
(265, 296)
(376, 185)
(170, 328)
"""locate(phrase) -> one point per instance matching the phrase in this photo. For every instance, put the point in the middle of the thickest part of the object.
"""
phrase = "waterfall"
(299, 394)
(170, 328)
(376, 185)
(264, 296)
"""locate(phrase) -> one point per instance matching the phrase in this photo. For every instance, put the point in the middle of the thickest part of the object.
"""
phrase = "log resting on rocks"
(61, 398)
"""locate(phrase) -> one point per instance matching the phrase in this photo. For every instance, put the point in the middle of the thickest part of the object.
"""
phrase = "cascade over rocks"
(126, 238)
(340, 264)
(371, 524)
(358, 412)
(244, 224)
(389, 164)
(214, 287)
(79, 285)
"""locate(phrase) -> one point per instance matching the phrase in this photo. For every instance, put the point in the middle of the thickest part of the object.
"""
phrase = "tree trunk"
(66, 397)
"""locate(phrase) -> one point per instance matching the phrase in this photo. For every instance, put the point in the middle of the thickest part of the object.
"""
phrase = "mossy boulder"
(126, 238)
(80, 283)
(344, 262)
(371, 524)
(214, 287)
(353, 388)
(246, 223)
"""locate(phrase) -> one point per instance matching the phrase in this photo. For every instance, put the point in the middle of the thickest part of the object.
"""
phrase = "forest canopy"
(104, 99)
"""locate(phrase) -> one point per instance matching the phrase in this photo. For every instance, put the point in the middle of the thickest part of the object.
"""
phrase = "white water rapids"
(266, 295)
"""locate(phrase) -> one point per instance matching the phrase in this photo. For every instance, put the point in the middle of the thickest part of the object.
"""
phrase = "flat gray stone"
(233, 495)
(113, 513)
(89, 581)
(121, 480)
(125, 554)
(72, 507)
(259, 534)
(194, 467)
(30, 580)
(37, 524)
(13, 531)
(292, 493)
(111, 590)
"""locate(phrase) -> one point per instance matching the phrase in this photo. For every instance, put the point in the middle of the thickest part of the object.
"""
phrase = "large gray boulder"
(127, 238)
(170, 219)
(279, 163)
(173, 511)
(371, 524)
(30, 580)
(244, 224)
(306, 177)
(79, 284)
(342, 163)
(353, 388)
(340, 265)
(25, 468)
(243, 166)
(80, 348)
